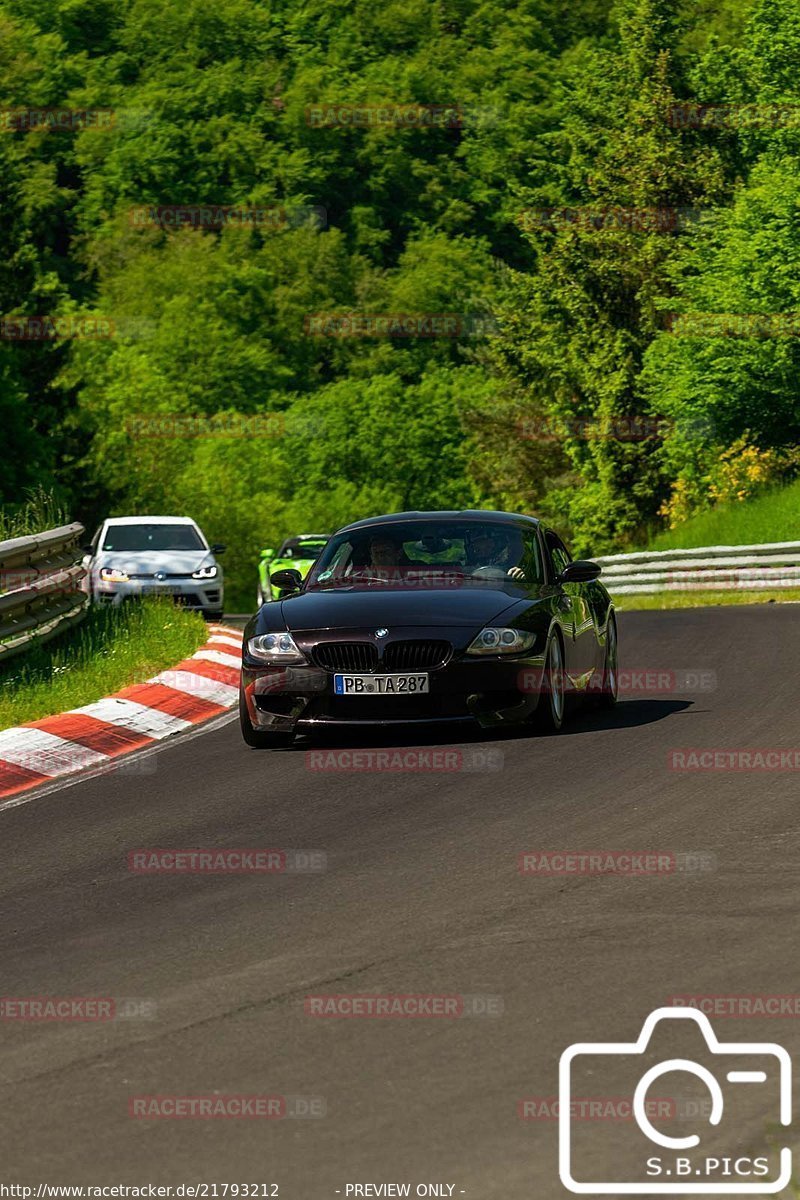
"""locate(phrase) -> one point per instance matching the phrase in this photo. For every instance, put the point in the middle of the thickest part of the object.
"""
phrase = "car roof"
(464, 514)
(146, 520)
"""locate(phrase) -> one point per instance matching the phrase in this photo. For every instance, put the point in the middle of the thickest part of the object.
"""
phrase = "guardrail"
(705, 568)
(40, 592)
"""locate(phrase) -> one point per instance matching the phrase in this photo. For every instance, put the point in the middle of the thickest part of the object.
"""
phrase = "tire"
(212, 614)
(609, 689)
(549, 714)
(258, 738)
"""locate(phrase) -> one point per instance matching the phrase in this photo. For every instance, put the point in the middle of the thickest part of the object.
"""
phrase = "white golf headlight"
(204, 573)
(497, 640)
(279, 648)
(113, 575)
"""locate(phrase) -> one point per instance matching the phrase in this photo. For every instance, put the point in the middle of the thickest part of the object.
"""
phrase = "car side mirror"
(267, 555)
(287, 580)
(218, 548)
(87, 549)
(580, 571)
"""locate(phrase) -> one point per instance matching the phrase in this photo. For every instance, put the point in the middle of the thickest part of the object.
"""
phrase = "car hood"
(338, 608)
(147, 562)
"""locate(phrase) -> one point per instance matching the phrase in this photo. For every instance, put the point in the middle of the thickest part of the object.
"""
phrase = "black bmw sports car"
(429, 616)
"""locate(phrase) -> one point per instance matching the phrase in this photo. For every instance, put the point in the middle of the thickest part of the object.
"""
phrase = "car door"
(581, 653)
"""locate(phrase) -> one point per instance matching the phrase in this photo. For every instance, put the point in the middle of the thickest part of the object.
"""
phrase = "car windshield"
(431, 554)
(297, 548)
(152, 537)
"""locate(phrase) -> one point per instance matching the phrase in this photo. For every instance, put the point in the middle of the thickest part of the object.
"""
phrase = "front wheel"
(260, 739)
(549, 715)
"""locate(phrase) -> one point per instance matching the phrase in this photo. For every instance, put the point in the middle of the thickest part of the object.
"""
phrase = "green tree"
(576, 326)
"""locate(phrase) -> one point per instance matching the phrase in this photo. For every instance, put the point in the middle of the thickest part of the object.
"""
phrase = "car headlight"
(495, 640)
(113, 575)
(204, 573)
(278, 648)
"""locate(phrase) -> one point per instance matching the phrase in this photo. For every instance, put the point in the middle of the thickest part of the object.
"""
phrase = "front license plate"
(380, 685)
(160, 589)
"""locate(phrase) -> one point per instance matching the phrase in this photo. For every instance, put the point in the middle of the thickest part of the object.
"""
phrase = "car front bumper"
(490, 692)
(205, 594)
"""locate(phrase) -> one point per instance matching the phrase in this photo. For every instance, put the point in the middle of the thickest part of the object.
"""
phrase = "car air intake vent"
(346, 656)
(415, 656)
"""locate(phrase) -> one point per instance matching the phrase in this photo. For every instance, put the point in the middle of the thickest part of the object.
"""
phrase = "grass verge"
(113, 648)
(665, 600)
(771, 517)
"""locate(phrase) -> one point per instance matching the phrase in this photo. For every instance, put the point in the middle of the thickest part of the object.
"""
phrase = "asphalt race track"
(422, 895)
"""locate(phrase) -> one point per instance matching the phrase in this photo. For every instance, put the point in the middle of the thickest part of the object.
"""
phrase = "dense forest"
(579, 222)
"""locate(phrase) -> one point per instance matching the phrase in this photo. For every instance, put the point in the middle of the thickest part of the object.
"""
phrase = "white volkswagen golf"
(154, 556)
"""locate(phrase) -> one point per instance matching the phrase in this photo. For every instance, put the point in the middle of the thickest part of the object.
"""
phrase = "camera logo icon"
(736, 1077)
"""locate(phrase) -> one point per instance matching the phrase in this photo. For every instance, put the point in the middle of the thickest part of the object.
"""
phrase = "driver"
(385, 551)
(494, 547)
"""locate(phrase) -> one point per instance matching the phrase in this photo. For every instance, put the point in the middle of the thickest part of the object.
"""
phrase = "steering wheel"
(490, 572)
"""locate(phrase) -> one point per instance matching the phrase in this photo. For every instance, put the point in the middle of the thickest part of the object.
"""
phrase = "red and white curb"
(197, 689)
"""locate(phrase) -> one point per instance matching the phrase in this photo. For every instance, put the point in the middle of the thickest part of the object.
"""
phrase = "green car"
(299, 552)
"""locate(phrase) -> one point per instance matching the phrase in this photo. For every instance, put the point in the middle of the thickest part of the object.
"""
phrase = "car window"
(341, 562)
(427, 551)
(309, 550)
(152, 537)
(557, 551)
(433, 553)
(297, 548)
